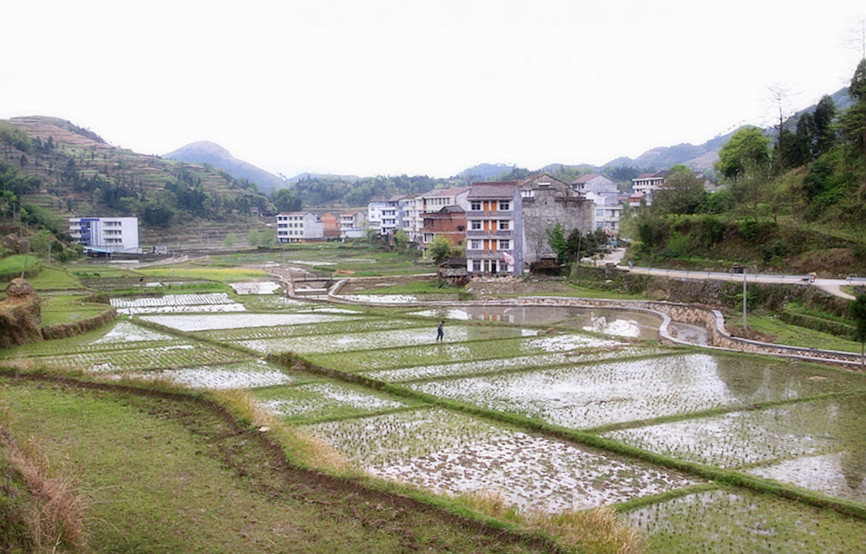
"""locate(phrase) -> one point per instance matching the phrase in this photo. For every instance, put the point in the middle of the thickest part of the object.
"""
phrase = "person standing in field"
(440, 333)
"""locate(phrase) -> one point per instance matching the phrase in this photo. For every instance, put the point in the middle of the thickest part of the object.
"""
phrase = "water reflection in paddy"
(620, 323)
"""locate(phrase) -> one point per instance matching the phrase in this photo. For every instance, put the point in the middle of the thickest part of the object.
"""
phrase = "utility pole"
(745, 324)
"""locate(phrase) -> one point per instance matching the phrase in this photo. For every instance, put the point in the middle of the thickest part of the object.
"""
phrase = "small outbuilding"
(453, 272)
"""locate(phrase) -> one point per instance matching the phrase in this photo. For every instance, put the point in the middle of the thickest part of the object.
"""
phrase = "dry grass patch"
(301, 446)
(598, 530)
(53, 515)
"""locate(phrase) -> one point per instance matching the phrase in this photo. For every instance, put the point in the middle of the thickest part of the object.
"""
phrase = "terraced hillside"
(695, 448)
(80, 174)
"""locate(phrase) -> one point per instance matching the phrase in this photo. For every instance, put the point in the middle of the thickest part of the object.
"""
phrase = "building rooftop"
(453, 191)
(493, 190)
(585, 178)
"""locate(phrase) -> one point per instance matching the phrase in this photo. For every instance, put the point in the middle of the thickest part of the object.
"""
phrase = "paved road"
(831, 286)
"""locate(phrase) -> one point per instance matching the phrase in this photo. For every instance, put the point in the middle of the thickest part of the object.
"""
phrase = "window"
(504, 205)
(504, 224)
(475, 224)
(505, 244)
(475, 205)
(599, 213)
(475, 244)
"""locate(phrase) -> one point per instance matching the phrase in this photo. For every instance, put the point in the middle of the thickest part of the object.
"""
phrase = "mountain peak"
(206, 152)
(202, 148)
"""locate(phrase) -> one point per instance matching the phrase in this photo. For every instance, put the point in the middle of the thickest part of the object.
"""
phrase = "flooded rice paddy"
(457, 454)
(606, 321)
(213, 302)
(256, 287)
(786, 421)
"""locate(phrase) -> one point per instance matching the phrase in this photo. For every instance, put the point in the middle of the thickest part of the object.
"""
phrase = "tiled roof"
(585, 178)
(493, 190)
(453, 191)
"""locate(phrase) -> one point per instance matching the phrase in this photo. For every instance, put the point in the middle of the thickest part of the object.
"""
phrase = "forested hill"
(62, 170)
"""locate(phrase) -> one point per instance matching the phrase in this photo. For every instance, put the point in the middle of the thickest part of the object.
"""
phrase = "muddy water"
(612, 322)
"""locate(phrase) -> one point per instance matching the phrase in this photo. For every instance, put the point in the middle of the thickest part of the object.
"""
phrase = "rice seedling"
(587, 396)
(500, 365)
(245, 375)
(425, 354)
(206, 322)
(739, 521)
(325, 400)
(451, 454)
(124, 331)
(742, 438)
(346, 325)
(375, 340)
(534, 473)
(175, 355)
(212, 303)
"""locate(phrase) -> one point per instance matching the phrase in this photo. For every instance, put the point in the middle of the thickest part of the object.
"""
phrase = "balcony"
(482, 234)
(486, 254)
(489, 214)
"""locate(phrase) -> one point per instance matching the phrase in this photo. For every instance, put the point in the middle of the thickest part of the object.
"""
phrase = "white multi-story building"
(299, 227)
(385, 215)
(606, 213)
(106, 234)
(494, 234)
(648, 184)
(605, 195)
(352, 225)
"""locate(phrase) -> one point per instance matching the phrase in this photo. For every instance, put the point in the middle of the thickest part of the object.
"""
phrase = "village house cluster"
(503, 226)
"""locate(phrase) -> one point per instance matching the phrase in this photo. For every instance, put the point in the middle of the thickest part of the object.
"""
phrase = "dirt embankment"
(64, 330)
(20, 315)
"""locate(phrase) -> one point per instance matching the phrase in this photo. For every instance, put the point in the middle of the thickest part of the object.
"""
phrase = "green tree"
(440, 249)
(683, 193)
(401, 239)
(285, 201)
(858, 82)
(853, 122)
(558, 242)
(823, 134)
(253, 237)
(745, 155)
(745, 161)
(39, 242)
(858, 312)
(230, 240)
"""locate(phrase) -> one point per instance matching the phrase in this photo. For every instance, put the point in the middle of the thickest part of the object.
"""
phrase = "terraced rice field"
(790, 422)
(213, 302)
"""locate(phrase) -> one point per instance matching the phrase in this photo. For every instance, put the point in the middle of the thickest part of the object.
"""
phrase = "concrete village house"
(502, 225)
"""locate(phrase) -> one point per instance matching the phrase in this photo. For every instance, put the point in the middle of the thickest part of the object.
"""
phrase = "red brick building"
(449, 222)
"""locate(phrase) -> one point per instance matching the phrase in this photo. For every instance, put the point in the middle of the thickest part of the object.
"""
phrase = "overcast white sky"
(418, 87)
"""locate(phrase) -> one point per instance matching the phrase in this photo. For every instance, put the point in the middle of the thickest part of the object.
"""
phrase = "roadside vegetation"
(794, 205)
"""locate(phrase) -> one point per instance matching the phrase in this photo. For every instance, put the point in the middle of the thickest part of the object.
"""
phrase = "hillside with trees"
(53, 170)
(795, 202)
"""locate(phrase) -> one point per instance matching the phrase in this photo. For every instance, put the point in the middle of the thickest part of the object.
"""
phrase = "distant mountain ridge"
(204, 152)
(703, 156)
(696, 157)
(485, 172)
